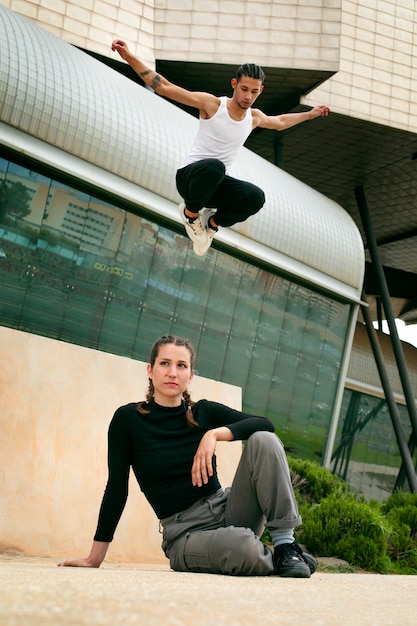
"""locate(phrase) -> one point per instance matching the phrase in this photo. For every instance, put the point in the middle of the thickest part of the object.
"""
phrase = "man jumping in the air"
(212, 198)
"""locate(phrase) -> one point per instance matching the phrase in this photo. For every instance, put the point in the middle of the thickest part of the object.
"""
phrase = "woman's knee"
(264, 440)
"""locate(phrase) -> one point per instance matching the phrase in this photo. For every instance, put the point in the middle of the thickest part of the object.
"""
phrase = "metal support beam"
(399, 484)
(379, 312)
(334, 420)
(386, 301)
(408, 465)
(279, 150)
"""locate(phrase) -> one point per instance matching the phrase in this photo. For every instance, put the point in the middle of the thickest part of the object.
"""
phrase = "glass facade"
(366, 453)
(75, 268)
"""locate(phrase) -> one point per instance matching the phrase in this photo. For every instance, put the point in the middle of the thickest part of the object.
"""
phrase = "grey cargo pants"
(221, 534)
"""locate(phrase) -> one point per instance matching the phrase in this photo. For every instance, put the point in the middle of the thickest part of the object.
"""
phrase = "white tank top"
(220, 137)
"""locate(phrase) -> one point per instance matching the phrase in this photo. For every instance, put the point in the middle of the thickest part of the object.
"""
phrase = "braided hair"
(177, 341)
(251, 70)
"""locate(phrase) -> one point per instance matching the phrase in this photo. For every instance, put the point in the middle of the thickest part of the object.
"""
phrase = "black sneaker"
(290, 562)
(310, 560)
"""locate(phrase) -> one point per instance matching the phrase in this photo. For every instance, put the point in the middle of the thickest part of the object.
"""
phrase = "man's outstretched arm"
(197, 99)
(151, 78)
(287, 120)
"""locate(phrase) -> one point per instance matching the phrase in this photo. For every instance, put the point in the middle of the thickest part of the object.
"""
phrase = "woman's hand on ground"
(78, 563)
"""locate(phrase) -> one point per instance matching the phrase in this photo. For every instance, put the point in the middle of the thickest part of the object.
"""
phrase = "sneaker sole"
(298, 571)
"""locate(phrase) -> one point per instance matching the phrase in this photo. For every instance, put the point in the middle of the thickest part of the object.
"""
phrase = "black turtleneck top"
(160, 447)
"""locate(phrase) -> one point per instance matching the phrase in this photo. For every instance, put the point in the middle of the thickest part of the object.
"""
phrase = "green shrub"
(401, 512)
(369, 535)
(343, 526)
(312, 483)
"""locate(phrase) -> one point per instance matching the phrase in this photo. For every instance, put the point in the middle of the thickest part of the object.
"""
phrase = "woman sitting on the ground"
(170, 443)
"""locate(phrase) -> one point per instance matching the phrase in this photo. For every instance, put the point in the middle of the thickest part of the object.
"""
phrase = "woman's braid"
(189, 414)
(150, 392)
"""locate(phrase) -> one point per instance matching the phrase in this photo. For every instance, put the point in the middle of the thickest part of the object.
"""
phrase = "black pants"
(205, 184)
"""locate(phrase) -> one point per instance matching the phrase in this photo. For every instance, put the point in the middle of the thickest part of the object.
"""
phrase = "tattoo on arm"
(156, 81)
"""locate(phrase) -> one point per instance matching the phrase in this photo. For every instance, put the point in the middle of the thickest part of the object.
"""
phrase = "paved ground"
(35, 592)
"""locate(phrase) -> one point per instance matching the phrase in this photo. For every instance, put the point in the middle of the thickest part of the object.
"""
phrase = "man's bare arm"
(203, 101)
(155, 79)
(287, 120)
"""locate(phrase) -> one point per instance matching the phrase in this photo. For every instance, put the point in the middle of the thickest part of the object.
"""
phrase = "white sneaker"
(201, 249)
(195, 230)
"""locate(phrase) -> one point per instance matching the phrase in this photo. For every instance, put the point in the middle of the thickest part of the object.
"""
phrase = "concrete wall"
(56, 401)
(377, 78)
(302, 34)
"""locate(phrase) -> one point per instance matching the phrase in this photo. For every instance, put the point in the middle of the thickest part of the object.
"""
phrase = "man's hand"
(321, 110)
(120, 46)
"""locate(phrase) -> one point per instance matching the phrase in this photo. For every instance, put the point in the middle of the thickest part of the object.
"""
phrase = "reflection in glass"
(366, 453)
(76, 268)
